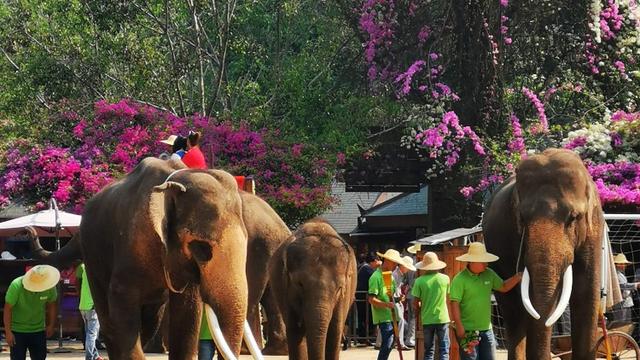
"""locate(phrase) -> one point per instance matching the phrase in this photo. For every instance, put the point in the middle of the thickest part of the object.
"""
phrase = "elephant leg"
(123, 328)
(276, 333)
(296, 338)
(152, 321)
(257, 281)
(334, 333)
(585, 299)
(183, 334)
(514, 317)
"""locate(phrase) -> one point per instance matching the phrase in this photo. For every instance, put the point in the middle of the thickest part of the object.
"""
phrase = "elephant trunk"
(60, 259)
(318, 316)
(223, 287)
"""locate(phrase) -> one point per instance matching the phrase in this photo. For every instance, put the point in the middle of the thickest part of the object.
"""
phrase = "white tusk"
(524, 294)
(567, 285)
(216, 333)
(254, 349)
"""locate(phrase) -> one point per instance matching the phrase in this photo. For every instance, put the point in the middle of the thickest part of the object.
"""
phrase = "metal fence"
(360, 329)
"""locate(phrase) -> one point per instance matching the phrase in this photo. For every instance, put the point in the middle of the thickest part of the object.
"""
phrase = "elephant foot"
(273, 348)
(155, 346)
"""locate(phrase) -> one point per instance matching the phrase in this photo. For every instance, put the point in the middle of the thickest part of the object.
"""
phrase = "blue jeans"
(206, 350)
(485, 350)
(35, 342)
(91, 329)
(430, 332)
(386, 334)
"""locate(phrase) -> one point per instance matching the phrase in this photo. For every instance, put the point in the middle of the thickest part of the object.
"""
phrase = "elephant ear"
(593, 203)
(160, 201)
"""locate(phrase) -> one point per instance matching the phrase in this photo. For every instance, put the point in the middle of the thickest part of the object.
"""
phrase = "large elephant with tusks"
(548, 219)
(164, 231)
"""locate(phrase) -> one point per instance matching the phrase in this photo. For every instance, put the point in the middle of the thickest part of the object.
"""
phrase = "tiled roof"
(344, 214)
(405, 204)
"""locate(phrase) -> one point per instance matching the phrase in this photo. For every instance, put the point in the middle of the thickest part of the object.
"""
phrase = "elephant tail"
(62, 258)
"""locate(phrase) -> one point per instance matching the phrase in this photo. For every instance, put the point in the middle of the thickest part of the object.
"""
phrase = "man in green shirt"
(206, 347)
(471, 302)
(89, 315)
(29, 300)
(430, 291)
(380, 299)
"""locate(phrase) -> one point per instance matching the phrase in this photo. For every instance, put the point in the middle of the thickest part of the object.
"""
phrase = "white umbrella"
(46, 222)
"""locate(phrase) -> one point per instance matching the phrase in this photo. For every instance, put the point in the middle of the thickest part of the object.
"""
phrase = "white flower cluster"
(596, 9)
(597, 142)
(634, 16)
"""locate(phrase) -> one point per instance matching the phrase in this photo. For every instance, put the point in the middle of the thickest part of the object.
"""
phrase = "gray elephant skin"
(313, 275)
(552, 208)
(142, 235)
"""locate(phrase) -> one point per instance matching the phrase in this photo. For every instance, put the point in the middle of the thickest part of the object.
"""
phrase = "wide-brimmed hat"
(413, 249)
(407, 262)
(430, 261)
(170, 140)
(392, 255)
(40, 278)
(477, 253)
(621, 259)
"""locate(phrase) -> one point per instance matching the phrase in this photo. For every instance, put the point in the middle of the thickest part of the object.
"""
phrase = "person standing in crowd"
(410, 328)
(431, 291)
(471, 302)
(622, 311)
(381, 302)
(30, 312)
(399, 277)
(89, 315)
(194, 158)
(372, 262)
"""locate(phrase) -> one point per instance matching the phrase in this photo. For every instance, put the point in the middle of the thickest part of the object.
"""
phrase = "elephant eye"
(572, 217)
(201, 250)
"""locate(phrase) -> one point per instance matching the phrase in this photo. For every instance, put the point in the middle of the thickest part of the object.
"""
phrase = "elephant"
(547, 218)
(313, 275)
(164, 227)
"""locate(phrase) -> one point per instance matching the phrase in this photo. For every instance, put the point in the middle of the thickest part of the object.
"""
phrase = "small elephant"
(548, 219)
(313, 275)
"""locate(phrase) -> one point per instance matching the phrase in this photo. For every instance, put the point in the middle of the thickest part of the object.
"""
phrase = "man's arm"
(510, 283)
(455, 312)
(52, 312)
(375, 302)
(8, 334)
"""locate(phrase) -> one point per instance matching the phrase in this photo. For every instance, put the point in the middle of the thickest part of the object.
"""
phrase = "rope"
(520, 252)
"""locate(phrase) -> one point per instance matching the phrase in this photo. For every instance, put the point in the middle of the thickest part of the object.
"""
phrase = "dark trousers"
(35, 342)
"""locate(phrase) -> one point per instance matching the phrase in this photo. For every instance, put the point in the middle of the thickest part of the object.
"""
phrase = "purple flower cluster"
(376, 17)
(406, 77)
(295, 179)
(446, 139)
(610, 20)
(543, 126)
(516, 146)
(617, 183)
(625, 116)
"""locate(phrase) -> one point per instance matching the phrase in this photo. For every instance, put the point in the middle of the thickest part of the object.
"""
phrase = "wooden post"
(448, 255)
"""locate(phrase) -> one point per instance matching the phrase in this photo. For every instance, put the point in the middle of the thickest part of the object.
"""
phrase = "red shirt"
(194, 159)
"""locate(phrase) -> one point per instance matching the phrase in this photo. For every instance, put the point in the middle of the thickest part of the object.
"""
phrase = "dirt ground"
(359, 353)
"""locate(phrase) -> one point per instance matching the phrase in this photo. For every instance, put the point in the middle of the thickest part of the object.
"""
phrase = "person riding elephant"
(547, 220)
(313, 275)
(163, 227)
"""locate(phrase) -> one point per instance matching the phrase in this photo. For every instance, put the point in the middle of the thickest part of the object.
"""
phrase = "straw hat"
(430, 261)
(477, 253)
(413, 249)
(40, 278)
(407, 262)
(621, 259)
(170, 140)
(392, 255)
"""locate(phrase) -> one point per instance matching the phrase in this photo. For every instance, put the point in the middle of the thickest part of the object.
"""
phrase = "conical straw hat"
(40, 278)
(430, 261)
(621, 259)
(477, 253)
(392, 255)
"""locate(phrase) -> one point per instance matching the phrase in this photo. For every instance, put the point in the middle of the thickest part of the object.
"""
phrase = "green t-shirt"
(473, 292)
(28, 308)
(86, 301)
(205, 334)
(379, 290)
(432, 289)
